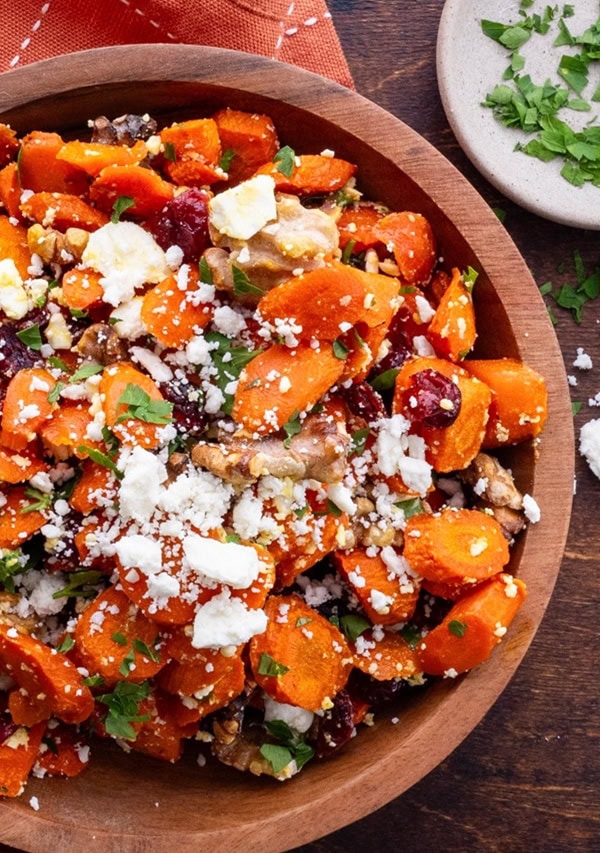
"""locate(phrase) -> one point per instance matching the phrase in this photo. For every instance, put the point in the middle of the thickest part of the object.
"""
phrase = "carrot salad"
(248, 484)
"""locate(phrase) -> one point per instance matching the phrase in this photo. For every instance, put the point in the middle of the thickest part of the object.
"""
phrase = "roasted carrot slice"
(310, 174)
(9, 144)
(13, 245)
(26, 406)
(281, 382)
(148, 190)
(452, 329)
(301, 659)
(250, 137)
(295, 553)
(385, 655)
(10, 191)
(519, 406)
(357, 226)
(449, 448)
(81, 288)
(18, 467)
(385, 591)
(192, 152)
(473, 627)
(114, 639)
(163, 734)
(410, 238)
(455, 546)
(96, 486)
(62, 211)
(63, 752)
(92, 157)
(41, 171)
(118, 385)
(171, 313)
(17, 521)
(17, 757)
(65, 431)
(41, 671)
(208, 679)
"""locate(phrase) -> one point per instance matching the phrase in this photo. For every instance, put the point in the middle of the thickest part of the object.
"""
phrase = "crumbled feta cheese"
(226, 621)
(583, 361)
(589, 444)
(14, 300)
(224, 562)
(240, 212)
(531, 509)
(298, 719)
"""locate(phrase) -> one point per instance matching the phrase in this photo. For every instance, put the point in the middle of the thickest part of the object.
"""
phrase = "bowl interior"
(129, 802)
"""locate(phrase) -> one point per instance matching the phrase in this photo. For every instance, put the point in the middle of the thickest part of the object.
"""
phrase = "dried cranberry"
(364, 402)
(432, 399)
(335, 727)
(7, 728)
(375, 693)
(14, 354)
(183, 222)
(189, 417)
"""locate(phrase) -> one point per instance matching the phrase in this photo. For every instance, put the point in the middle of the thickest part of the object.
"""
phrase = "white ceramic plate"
(469, 65)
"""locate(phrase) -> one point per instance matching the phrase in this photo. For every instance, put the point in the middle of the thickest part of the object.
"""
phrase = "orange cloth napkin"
(300, 32)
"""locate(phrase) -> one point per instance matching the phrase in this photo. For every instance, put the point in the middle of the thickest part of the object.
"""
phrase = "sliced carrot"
(192, 152)
(301, 659)
(455, 545)
(295, 552)
(261, 405)
(148, 190)
(410, 238)
(92, 157)
(162, 735)
(256, 594)
(66, 429)
(26, 406)
(13, 245)
(385, 656)
(519, 406)
(28, 710)
(452, 330)
(95, 487)
(17, 522)
(18, 467)
(385, 596)
(449, 448)
(63, 752)
(114, 383)
(318, 301)
(17, 757)
(86, 539)
(172, 314)
(9, 144)
(209, 680)
(38, 669)
(311, 174)
(111, 639)
(41, 171)
(473, 627)
(250, 136)
(81, 288)
(62, 211)
(10, 191)
(357, 226)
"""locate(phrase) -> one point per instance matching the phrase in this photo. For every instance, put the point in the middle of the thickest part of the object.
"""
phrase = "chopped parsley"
(269, 666)
(573, 296)
(12, 563)
(229, 361)
(100, 459)
(85, 371)
(291, 428)
(385, 381)
(81, 584)
(123, 708)
(226, 158)
(67, 644)
(353, 626)
(169, 152)
(142, 407)
(457, 628)
(291, 746)
(31, 337)
(340, 350)
(285, 160)
(123, 203)
(242, 284)
(358, 442)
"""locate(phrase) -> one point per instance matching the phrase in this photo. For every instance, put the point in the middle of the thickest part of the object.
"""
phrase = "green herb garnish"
(285, 160)
(358, 442)
(122, 203)
(123, 708)
(226, 158)
(268, 666)
(457, 628)
(242, 284)
(85, 371)
(353, 626)
(67, 644)
(291, 428)
(340, 350)
(31, 337)
(80, 584)
(142, 407)
(169, 152)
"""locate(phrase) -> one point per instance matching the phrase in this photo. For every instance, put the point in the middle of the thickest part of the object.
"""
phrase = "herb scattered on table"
(520, 102)
(573, 296)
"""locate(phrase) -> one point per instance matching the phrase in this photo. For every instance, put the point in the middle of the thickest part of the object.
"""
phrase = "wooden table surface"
(527, 778)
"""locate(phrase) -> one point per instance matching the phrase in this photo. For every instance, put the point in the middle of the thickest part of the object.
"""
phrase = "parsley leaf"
(291, 428)
(169, 152)
(358, 442)
(340, 350)
(277, 756)
(85, 371)
(12, 563)
(226, 158)
(123, 203)
(385, 381)
(80, 584)
(142, 407)
(242, 284)
(410, 507)
(285, 160)
(268, 666)
(123, 708)
(353, 626)
(31, 337)
(411, 634)
(100, 459)
(457, 628)
(229, 361)
(67, 644)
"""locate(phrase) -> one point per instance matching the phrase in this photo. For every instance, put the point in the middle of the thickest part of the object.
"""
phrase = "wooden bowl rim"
(305, 810)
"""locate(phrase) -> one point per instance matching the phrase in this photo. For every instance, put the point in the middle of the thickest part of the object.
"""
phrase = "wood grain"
(472, 796)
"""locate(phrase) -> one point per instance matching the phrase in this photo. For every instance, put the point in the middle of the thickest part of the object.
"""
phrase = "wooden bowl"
(131, 803)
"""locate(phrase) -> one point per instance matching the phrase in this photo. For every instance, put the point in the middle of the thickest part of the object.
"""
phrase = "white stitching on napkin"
(27, 41)
(292, 31)
(142, 14)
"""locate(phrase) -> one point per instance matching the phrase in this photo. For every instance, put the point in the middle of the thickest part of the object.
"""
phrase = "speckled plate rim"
(469, 65)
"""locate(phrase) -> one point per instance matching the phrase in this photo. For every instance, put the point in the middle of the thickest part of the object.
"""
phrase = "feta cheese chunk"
(236, 565)
(226, 621)
(14, 300)
(243, 210)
